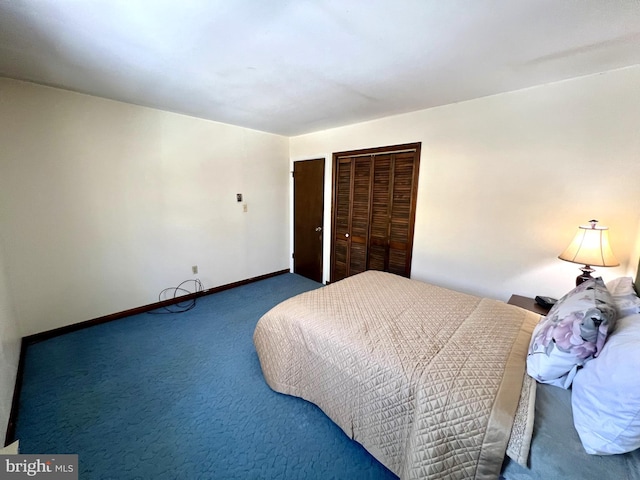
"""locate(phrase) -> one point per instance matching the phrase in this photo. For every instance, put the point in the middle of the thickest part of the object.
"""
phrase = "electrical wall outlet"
(244, 208)
(194, 269)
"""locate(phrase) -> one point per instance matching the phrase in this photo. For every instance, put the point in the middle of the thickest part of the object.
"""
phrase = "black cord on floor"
(180, 307)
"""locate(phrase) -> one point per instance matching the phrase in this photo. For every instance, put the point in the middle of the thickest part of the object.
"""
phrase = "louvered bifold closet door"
(360, 215)
(351, 212)
(392, 213)
(380, 213)
(374, 210)
(402, 207)
(341, 220)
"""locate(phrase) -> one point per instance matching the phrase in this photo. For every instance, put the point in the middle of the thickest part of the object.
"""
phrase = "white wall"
(104, 204)
(9, 348)
(505, 181)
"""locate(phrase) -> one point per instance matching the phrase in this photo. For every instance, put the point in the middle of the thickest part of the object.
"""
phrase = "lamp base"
(586, 275)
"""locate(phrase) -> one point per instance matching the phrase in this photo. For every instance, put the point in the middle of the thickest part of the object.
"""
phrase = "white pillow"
(624, 296)
(606, 393)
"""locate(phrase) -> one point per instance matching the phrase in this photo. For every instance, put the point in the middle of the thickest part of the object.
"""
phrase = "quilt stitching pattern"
(409, 370)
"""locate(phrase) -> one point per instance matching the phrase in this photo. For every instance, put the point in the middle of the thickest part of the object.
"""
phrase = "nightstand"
(528, 304)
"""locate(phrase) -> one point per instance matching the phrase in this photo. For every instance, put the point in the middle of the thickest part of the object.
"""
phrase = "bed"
(430, 381)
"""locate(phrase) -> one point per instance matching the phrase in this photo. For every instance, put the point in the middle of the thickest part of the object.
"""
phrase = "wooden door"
(308, 206)
(393, 212)
(374, 200)
(351, 216)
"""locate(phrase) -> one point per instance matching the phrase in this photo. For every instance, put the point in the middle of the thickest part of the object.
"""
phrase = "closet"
(373, 210)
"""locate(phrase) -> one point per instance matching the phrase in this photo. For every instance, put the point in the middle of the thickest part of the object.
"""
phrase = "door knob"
(318, 229)
(346, 235)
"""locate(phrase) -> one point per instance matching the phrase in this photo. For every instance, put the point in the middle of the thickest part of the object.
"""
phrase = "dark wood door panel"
(342, 203)
(340, 259)
(360, 203)
(358, 258)
(308, 207)
(378, 258)
(397, 262)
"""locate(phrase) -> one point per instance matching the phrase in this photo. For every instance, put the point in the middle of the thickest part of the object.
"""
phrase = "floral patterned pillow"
(573, 332)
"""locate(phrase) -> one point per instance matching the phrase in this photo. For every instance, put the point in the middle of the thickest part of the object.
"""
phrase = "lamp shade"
(591, 246)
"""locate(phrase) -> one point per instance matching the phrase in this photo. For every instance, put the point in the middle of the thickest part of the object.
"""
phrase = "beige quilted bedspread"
(425, 378)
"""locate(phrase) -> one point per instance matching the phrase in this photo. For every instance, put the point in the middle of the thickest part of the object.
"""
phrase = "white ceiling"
(297, 66)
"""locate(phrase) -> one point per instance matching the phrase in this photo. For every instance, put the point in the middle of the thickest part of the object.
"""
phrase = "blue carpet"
(180, 396)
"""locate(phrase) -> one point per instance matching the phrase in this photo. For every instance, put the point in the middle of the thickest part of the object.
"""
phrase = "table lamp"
(591, 247)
